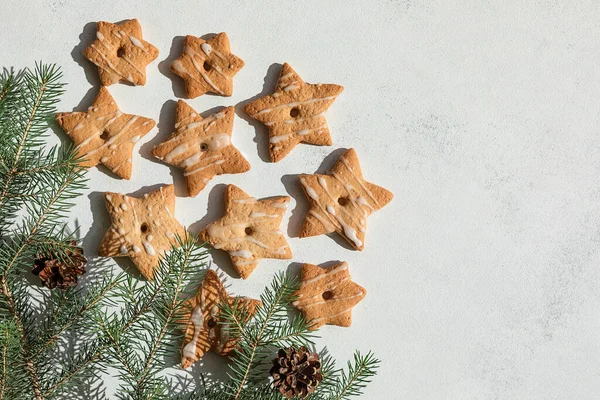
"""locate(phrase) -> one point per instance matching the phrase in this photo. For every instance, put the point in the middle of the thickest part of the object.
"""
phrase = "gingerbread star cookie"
(249, 230)
(207, 66)
(141, 228)
(294, 113)
(341, 201)
(120, 53)
(202, 147)
(204, 328)
(327, 295)
(103, 134)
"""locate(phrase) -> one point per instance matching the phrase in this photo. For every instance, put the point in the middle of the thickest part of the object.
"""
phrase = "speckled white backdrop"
(483, 117)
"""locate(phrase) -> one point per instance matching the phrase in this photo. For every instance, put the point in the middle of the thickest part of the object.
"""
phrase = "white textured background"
(483, 118)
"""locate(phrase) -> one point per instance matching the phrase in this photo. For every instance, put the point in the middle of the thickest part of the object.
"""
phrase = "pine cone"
(56, 273)
(296, 372)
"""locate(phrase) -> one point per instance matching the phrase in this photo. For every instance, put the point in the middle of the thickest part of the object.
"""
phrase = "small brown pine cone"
(296, 372)
(54, 272)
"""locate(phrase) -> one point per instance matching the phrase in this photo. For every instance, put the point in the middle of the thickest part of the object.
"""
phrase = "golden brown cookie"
(141, 228)
(207, 66)
(328, 295)
(202, 147)
(341, 201)
(120, 53)
(249, 230)
(205, 329)
(103, 134)
(294, 113)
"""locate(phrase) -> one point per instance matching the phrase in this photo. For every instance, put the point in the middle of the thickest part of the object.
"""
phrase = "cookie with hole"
(294, 113)
(120, 53)
(341, 201)
(104, 134)
(207, 66)
(250, 230)
(202, 147)
(204, 328)
(141, 228)
(327, 295)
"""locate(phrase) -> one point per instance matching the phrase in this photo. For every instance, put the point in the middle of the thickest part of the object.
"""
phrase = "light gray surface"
(482, 117)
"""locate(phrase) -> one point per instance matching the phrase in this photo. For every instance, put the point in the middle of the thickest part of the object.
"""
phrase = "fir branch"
(268, 330)
(358, 376)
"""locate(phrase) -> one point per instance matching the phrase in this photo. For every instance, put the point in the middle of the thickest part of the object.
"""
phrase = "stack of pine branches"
(60, 344)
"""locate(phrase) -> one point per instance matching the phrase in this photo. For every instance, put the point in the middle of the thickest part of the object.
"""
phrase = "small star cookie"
(141, 228)
(204, 329)
(103, 134)
(341, 201)
(202, 147)
(120, 53)
(327, 295)
(294, 113)
(207, 66)
(249, 230)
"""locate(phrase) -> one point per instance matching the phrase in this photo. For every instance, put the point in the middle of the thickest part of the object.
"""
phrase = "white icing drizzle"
(149, 249)
(194, 171)
(137, 43)
(206, 48)
(136, 248)
(293, 104)
(123, 249)
(280, 205)
(197, 320)
(255, 214)
(124, 206)
(243, 253)
(348, 230)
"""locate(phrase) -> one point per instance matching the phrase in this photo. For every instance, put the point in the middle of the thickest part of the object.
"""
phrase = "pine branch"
(358, 376)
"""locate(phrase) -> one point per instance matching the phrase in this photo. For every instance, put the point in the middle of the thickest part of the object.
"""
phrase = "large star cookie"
(204, 329)
(207, 66)
(141, 228)
(103, 134)
(120, 53)
(249, 230)
(294, 113)
(202, 147)
(327, 295)
(341, 201)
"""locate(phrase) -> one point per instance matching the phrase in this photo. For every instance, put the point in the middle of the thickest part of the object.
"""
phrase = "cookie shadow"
(177, 84)
(87, 37)
(205, 373)
(215, 209)
(261, 137)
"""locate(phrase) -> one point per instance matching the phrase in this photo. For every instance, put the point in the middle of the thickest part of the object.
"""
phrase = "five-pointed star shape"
(204, 330)
(327, 295)
(341, 201)
(103, 134)
(207, 66)
(202, 147)
(120, 53)
(294, 113)
(249, 230)
(141, 228)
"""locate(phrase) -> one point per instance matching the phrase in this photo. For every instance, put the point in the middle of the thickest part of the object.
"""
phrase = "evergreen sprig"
(144, 336)
(39, 185)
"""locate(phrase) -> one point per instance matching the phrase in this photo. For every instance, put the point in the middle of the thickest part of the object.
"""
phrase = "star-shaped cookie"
(327, 295)
(207, 66)
(120, 53)
(103, 134)
(341, 201)
(141, 228)
(202, 147)
(249, 230)
(294, 113)
(204, 330)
